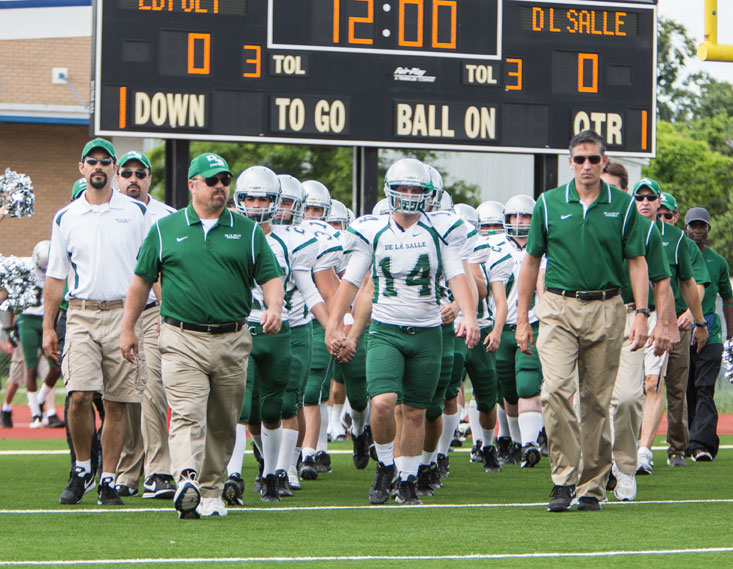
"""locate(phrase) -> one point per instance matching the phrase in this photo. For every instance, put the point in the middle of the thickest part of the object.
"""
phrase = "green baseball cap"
(105, 145)
(668, 201)
(135, 155)
(207, 165)
(653, 185)
(79, 186)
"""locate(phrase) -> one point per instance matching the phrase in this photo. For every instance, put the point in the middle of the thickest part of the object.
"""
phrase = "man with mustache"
(99, 235)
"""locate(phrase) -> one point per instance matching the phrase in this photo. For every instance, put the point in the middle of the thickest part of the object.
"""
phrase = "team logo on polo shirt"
(123, 219)
(233, 235)
(611, 213)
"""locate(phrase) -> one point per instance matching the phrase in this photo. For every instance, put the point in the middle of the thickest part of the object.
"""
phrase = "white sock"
(398, 463)
(426, 458)
(475, 423)
(358, 420)
(271, 439)
(86, 465)
(240, 444)
(296, 455)
(7, 406)
(501, 419)
(257, 440)
(50, 400)
(461, 413)
(488, 437)
(33, 403)
(346, 410)
(450, 422)
(43, 392)
(385, 453)
(516, 434)
(109, 476)
(410, 464)
(530, 424)
(323, 433)
(335, 425)
(307, 451)
(287, 444)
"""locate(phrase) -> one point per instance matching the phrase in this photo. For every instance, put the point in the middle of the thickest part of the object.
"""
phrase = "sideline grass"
(35, 481)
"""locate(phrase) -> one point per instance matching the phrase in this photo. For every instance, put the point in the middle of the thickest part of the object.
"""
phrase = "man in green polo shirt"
(688, 279)
(208, 259)
(586, 228)
(705, 363)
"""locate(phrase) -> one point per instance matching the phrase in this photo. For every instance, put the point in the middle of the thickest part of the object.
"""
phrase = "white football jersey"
(406, 264)
(295, 250)
(330, 251)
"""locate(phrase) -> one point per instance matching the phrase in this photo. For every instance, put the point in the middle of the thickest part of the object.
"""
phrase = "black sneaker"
(588, 504)
(407, 492)
(283, 484)
(308, 470)
(457, 440)
(361, 450)
(54, 422)
(160, 486)
(107, 494)
(504, 449)
(491, 460)
(542, 442)
(423, 486)
(187, 498)
(435, 482)
(124, 490)
(562, 498)
(611, 483)
(79, 484)
(379, 492)
(6, 419)
(233, 492)
(270, 490)
(701, 455)
(530, 455)
(516, 454)
(323, 462)
(443, 466)
(476, 452)
(258, 484)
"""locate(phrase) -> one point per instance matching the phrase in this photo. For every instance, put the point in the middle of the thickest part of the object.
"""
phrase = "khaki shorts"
(16, 373)
(92, 359)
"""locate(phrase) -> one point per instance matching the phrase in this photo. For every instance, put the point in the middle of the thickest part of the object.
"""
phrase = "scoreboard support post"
(365, 190)
(176, 172)
(545, 173)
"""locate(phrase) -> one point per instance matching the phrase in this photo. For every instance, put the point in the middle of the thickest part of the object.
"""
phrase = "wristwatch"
(702, 324)
(645, 311)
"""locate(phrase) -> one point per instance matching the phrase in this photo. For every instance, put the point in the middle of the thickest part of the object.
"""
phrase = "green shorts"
(268, 373)
(459, 369)
(301, 339)
(481, 368)
(354, 376)
(30, 331)
(318, 385)
(404, 360)
(520, 374)
(446, 373)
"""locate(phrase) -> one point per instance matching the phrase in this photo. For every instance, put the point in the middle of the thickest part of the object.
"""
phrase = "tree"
(673, 48)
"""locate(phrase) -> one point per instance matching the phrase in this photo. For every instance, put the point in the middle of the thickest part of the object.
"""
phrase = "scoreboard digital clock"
(505, 75)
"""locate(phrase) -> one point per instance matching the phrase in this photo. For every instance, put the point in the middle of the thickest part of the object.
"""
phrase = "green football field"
(683, 518)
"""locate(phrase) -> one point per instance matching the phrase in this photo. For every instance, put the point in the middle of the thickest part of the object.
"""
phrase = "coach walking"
(208, 260)
(586, 228)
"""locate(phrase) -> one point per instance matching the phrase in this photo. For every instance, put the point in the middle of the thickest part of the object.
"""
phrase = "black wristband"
(645, 311)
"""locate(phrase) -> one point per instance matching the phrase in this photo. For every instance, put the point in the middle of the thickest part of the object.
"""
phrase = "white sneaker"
(644, 461)
(212, 507)
(36, 422)
(625, 490)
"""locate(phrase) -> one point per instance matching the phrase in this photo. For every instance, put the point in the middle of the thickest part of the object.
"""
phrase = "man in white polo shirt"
(146, 441)
(99, 235)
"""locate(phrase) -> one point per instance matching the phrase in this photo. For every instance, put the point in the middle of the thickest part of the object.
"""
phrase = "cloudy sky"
(690, 13)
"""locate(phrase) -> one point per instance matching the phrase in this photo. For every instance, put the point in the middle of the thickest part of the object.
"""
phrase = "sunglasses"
(139, 174)
(102, 161)
(666, 215)
(211, 182)
(647, 197)
(594, 159)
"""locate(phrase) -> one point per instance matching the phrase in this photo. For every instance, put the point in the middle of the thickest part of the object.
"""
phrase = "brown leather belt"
(82, 304)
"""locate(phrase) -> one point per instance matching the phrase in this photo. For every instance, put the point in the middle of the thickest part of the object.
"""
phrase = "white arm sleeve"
(359, 264)
(306, 286)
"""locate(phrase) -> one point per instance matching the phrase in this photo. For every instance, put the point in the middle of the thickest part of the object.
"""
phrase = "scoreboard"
(502, 75)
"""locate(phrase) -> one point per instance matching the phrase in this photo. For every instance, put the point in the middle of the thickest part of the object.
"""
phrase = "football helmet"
(466, 213)
(438, 188)
(408, 172)
(382, 207)
(339, 214)
(516, 205)
(490, 213)
(257, 182)
(317, 195)
(291, 189)
(40, 254)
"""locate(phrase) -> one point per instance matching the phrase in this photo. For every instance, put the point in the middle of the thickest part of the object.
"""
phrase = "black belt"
(150, 305)
(208, 328)
(587, 294)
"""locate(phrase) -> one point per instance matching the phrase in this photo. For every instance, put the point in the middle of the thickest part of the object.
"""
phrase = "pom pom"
(728, 359)
(16, 194)
(17, 277)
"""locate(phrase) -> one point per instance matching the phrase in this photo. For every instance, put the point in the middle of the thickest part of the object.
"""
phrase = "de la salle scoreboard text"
(508, 75)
